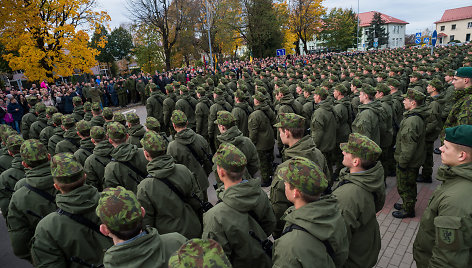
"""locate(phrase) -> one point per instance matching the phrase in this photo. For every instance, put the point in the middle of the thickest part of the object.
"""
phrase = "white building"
(455, 24)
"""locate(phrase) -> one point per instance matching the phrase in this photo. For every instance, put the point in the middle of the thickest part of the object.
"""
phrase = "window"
(451, 38)
(443, 28)
(453, 27)
(467, 37)
(469, 25)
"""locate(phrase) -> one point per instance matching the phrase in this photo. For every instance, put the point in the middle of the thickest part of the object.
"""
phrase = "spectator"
(16, 111)
(47, 100)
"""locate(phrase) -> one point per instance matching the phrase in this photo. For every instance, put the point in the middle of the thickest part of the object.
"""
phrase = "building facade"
(455, 25)
(395, 28)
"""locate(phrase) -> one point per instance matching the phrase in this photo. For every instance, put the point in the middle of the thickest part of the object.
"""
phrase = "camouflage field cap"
(414, 94)
(176, 84)
(218, 91)
(230, 158)
(183, 88)
(308, 88)
(98, 133)
(461, 135)
(96, 107)
(14, 141)
(342, 89)
(65, 168)
(201, 91)
(178, 117)
(393, 82)
(169, 88)
(239, 94)
(322, 92)
(259, 96)
(153, 142)
(133, 118)
(153, 124)
(50, 110)
(119, 117)
(32, 100)
(40, 107)
(77, 100)
(290, 120)
(119, 209)
(304, 175)
(417, 75)
(82, 126)
(362, 147)
(68, 120)
(437, 84)
(383, 88)
(6, 133)
(107, 113)
(199, 253)
(285, 90)
(224, 118)
(210, 81)
(32, 151)
(87, 106)
(116, 131)
(368, 89)
(57, 119)
(356, 82)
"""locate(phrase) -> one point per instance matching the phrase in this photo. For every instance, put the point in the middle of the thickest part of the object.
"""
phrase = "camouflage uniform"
(88, 111)
(202, 110)
(78, 112)
(219, 105)
(187, 104)
(27, 207)
(120, 211)
(97, 120)
(83, 243)
(199, 253)
(386, 127)
(301, 244)
(86, 145)
(48, 131)
(368, 118)
(95, 164)
(41, 121)
(241, 112)
(58, 133)
(5, 158)
(136, 130)
(461, 111)
(28, 119)
(154, 104)
(71, 140)
(168, 106)
(342, 110)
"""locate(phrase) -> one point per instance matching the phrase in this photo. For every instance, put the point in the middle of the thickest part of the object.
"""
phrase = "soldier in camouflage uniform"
(186, 104)
(367, 120)
(244, 206)
(33, 198)
(88, 111)
(301, 243)
(219, 105)
(95, 164)
(5, 158)
(386, 122)
(135, 245)
(86, 145)
(199, 253)
(343, 113)
(241, 112)
(28, 119)
(108, 116)
(361, 194)
(41, 121)
(97, 119)
(167, 194)
(122, 94)
(135, 129)
(58, 133)
(202, 110)
(120, 118)
(168, 106)
(71, 142)
(409, 152)
(356, 84)
(140, 90)
(154, 103)
(48, 131)
(11, 176)
(78, 112)
(80, 243)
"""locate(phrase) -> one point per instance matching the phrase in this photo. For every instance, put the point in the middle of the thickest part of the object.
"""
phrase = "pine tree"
(376, 30)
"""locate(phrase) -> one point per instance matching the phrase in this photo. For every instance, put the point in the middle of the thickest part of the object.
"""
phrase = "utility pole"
(357, 33)
(208, 28)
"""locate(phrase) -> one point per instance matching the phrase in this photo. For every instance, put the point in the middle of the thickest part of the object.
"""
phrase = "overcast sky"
(420, 14)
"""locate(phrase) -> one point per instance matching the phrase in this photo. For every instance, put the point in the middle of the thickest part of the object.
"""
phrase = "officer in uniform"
(444, 236)
(95, 164)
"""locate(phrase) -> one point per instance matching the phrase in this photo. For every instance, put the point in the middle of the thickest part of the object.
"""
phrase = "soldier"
(128, 164)
(448, 94)
(416, 80)
(241, 112)
(97, 119)
(368, 117)
(58, 133)
(11, 176)
(356, 84)
(88, 111)
(78, 112)
(261, 134)
(202, 110)
(287, 105)
(135, 129)
(461, 111)
(219, 105)
(168, 192)
(120, 118)
(444, 235)
(386, 126)
(48, 131)
(309, 106)
(130, 87)
(5, 157)
(361, 194)
(71, 142)
(192, 150)
(154, 103)
(28, 119)
(231, 134)
(41, 121)
(108, 116)
(95, 94)
(95, 164)
(86, 92)
(135, 245)
(199, 253)
(186, 104)
(243, 217)
(323, 126)
(122, 93)
(343, 113)
(140, 90)
(409, 152)
(75, 223)
(86, 145)
(33, 199)
(314, 232)
(168, 106)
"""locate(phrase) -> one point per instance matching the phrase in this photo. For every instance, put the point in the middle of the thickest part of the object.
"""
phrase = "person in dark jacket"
(17, 112)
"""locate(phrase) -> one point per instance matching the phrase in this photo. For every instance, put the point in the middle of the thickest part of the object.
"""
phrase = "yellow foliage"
(44, 39)
(305, 17)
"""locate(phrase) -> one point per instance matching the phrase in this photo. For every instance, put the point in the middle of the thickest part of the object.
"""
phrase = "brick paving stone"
(396, 259)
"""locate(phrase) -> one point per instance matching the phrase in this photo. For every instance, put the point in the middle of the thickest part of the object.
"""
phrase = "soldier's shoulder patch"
(448, 232)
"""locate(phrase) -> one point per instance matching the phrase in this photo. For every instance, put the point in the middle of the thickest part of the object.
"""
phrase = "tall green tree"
(101, 35)
(120, 43)
(377, 30)
(148, 51)
(339, 29)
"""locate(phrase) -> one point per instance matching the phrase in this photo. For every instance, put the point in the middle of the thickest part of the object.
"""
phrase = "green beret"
(461, 135)
(153, 142)
(98, 133)
(368, 89)
(437, 84)
(57, 119)
(77, 100)
(290, 120)
(33, 150)
(304, 175)
(82, 126)
(116, 131)
(68, 120)
(414, 94)
(230, 158)
(119, 209)
(50, 110)
(199, 253)
(65, 168)
(178, 117)
(132, 118)
(96, 107)
(224, 118)
(40, 107)
(152, 124)
(322, 92)
(107, 113)
(383, 88)
(14, 141)
(362, 147)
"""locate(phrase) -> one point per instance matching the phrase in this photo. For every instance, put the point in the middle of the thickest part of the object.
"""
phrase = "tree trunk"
(305, 47)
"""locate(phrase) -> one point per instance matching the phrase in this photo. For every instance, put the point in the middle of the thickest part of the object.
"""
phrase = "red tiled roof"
(454, 14)
(366, 18)
(442, 35)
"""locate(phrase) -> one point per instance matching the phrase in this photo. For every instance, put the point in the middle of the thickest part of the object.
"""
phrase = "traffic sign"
(434, 38)
(376, 44)
(418, 35)
(426, 40)
(281, 52)
(418, 40)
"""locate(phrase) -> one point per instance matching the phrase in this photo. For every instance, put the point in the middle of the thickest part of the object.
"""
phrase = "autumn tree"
(377, 30)
(186, 47)
(147, 50)
(50, 36)
(120, 43)
(339, 29)
(98, 37)
(290, 39)
(305, 19)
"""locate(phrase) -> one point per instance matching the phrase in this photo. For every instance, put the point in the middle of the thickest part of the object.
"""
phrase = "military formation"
(98, 188)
